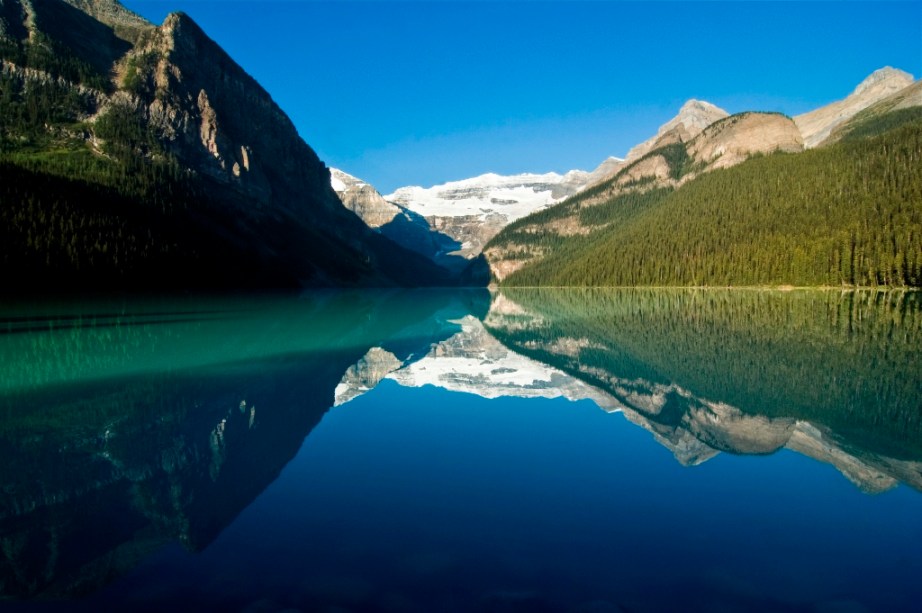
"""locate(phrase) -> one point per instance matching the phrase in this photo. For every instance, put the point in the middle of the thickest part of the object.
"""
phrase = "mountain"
(405, 228)
(817, 125)
(817, 218)
(676, 159)
(895, 107)
(693, 117)
(141, 156)
(472, 211)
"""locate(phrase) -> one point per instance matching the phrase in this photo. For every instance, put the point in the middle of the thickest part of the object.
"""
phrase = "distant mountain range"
(700, 138)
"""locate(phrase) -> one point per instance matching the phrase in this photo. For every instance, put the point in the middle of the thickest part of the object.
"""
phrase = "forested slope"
(847, 214)
(134, 156)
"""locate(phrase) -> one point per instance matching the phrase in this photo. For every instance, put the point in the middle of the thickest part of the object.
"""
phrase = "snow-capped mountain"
(474, 210)
(399, 224)
(512, 196)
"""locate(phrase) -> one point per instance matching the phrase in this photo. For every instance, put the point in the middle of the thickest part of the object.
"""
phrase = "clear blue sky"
(418, 93)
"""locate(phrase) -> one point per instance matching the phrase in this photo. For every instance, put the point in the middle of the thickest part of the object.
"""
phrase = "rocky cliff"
(240, 188)
(735, 139)
(818, 124)
(398, 223)
(363, 199)
(693, 117)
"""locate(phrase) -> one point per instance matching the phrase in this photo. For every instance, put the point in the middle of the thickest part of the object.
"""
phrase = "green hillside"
(847, 214)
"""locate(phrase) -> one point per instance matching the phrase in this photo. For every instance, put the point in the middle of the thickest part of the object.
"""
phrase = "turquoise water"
(461, 451)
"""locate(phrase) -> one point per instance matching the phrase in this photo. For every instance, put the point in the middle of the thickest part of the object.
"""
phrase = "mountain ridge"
(815, 126)
(169, 97)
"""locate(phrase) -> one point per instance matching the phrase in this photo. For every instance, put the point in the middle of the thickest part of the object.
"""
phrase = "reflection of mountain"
(835, 377)
(470, 361)
(96, 472)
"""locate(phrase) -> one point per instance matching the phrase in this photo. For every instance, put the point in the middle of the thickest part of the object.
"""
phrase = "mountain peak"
(893, 77)
(694, 113)
(692, 118)
(693, 104)
(110, 12)
(817, 125)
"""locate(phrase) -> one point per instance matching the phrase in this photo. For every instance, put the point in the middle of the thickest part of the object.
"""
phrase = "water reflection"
(124, 426)
(834, 376)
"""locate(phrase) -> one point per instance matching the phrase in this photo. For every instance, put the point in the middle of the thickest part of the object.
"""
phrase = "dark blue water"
(410, 496)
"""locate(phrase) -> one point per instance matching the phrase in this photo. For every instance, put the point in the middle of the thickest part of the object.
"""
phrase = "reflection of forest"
(837, 376)
(123, 453)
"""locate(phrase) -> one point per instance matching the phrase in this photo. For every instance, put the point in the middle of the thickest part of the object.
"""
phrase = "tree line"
(848, 214)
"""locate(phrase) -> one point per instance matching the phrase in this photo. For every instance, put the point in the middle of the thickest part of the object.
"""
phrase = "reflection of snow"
(473, 362)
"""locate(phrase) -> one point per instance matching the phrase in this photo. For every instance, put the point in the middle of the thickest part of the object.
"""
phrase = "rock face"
(693, 117)
(903, 99)
(606, 169)
(264, 194)
(472, 211)
(734, 139)
(399, 224)
(817, 125)
(362, 199)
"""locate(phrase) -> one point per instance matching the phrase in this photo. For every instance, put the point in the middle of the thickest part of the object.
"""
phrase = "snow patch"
(512, 196)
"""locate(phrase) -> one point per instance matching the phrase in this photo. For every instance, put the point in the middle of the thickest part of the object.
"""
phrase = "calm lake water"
(420, 451)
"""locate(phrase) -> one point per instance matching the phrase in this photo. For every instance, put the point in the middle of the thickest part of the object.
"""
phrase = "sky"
(419, 93)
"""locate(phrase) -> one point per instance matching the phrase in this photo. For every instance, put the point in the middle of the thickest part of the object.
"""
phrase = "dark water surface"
(593, 451)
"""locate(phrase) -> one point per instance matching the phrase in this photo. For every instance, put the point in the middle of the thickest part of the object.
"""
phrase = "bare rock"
(734, 139)
(817, 125)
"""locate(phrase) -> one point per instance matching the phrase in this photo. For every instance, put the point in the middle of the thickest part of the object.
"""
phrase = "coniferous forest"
(93, 197)
(847, 214)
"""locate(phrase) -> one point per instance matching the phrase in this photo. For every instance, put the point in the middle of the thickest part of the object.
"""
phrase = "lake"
(520, 450)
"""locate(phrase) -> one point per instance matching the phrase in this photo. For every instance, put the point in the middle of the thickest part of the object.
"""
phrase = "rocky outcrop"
(606, 169)
(692, 118)
(735, 139)
(906, 98)
(817, 125)
(363, 199)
